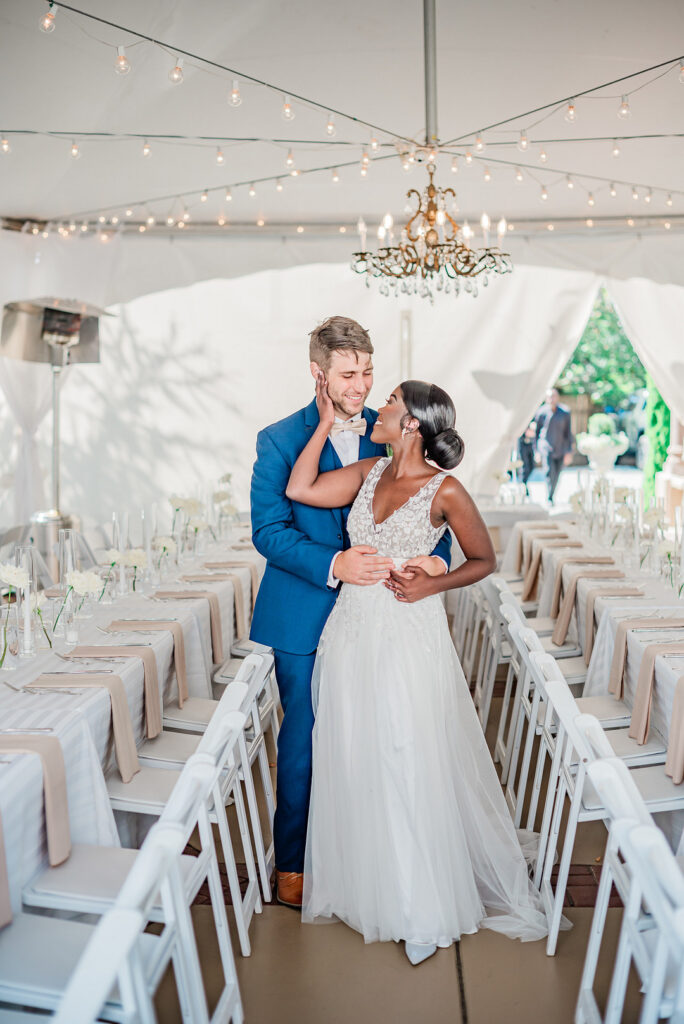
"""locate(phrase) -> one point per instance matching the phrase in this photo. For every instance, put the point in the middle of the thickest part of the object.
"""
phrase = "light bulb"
(635, 192)
(550, 227)
(287, 111)
(141, 228)
(47, 22)
(252, 191)
(220, 220)
(432, 154)
(300, 229)
(129, 212)
(518, 174)
(170, 219)
(5, 146)
(374, 144)
(681, 69)
(122, 64)
(75, 151)
(522, 141)
(186, 215)
(388, 221)
(571, 113)
(569, 182)
(668, 200)
(147, 149)
(343, 229)
(667, 225)
(180, 224)
(440, 218)
(479, 144)
(72, 225)
(485, 222)
(454, 165)
(114, 219)
(412, 155)
(612, 190)
(289, 159)
(649, 196)
(330, 127)
(335, 175)
(624, 110)
(501, 227)
(176, 72)
(102, 219)
(219, 156)
(279, 185)
(260, 222)
(616, 148)
(364, 171)
(150, 221)
(35, 229)
(487, 174)
(229, 195)
(365, 159)
(405, 162)
(234, 98)
(544, 193)
(468, 157)
(44, 234)
(589, 222)
(84, 226)
(295, 172)
(590, 199)
(204, 196)
(543, 156)
(381, 232)
(630, 222)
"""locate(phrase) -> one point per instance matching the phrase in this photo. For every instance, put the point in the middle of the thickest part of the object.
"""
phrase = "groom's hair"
(337, 334)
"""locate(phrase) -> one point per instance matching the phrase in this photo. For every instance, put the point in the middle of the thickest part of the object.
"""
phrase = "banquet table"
(501, 519)
(81, 720)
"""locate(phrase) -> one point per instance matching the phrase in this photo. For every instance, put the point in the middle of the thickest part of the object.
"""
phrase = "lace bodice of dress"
(407, 532)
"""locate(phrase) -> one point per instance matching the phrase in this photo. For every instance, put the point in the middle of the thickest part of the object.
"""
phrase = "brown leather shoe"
(289, 890)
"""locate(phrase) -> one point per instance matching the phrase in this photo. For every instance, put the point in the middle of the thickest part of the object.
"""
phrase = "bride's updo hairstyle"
(436, 416)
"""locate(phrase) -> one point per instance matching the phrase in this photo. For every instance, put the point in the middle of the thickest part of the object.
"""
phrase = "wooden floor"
(325, 974)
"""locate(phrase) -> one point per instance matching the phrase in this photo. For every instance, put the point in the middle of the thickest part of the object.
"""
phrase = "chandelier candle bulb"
(121, 64)
(362, 230)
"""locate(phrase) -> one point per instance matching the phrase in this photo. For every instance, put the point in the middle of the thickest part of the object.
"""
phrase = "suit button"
(339, 536)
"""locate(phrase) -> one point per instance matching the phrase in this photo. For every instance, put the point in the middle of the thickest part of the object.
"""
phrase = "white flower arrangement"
(83, 583)
(602, 449)
(112, 556)
(164, 544)
(197, 523)
(189, 506)
(14, 576)
(218, 497)
(621, 494)
(136, 558)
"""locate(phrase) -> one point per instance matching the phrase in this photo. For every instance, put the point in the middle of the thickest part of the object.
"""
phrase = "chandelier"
(433, 253)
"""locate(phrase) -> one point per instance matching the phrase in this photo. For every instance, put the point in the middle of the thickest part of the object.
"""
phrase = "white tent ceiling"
(495, 60)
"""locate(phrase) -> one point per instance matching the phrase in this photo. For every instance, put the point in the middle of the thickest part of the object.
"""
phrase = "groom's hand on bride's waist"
(362, 565)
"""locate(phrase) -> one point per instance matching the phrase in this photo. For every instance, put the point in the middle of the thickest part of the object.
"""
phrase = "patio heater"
(60, 332)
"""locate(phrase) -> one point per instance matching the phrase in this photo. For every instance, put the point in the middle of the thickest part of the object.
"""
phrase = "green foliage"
(658, 434)
(600, 423)
(604, 365)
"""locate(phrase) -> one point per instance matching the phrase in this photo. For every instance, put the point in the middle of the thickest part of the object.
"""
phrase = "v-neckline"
(376, 524)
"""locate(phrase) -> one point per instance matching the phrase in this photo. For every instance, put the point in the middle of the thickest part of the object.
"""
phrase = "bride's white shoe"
(419, 951)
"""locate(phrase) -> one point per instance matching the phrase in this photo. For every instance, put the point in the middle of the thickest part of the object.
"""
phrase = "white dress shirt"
(346, 444)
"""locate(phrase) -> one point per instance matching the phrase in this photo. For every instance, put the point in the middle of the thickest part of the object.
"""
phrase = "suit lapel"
(368, 448)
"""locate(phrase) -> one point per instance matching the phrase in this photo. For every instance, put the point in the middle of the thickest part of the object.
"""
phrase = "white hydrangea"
(84, 583)
(13, 576)
(161, 543)
(197, 523)
(136, 557)
(112, 556)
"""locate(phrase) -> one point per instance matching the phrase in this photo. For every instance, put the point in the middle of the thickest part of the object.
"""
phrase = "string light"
(518, 174)
(630, 222)
(571, 113)
(300, 229)
(170, 220)
(141, 228)
(176, 72)
(364, 171)
(468, 157)
(186, 214)
(612, 190)
(487, 176)
(279, 185)
(221, 220)
(649, 196)
(635, 192)
(75, 151)
(479, 144)
(544, 193)
(522, 141)
(624, 110)
(204, 196)
(570, 183)
(252, 191)
(102, 219)
(681, 72)
(335, 175)
(295, 172)
(668, 200)
(330, 127)
(343, 229)
(590, 199)
(229, 195)
(616, 148)
(373, 146)
(543, 156)
(287, 111)
(47, 22)
(4, 145)
(365, 159)
(289, 159)
(550, 227)
(112, 220)
(84, 226)
(150, 220)
(147, 149)
(667, 225)
(260, 222)
(589, 222)
(219, 156)
(180, 224)
(129, 212)
(234, 98)
(454, 165)
(122, 64)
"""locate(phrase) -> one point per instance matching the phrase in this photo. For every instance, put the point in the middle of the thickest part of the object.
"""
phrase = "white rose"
(193, 507)
(159, 543)
(13, 576)
(84, 582)
(135, 557)
(112, 556)
(665, 548)
(197, 523)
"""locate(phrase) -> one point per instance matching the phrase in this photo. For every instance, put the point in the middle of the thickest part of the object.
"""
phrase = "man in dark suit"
(308, 556)
(554, 438)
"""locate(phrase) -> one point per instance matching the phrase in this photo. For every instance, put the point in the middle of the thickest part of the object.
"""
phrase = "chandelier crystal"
(433, 253)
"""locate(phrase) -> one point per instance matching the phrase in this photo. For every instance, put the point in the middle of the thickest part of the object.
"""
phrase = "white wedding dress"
(409, 836)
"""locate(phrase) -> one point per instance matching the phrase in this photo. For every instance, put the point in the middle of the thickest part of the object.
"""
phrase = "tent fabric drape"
(28, 390)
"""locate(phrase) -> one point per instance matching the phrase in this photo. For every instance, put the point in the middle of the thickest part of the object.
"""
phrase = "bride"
(409, 837)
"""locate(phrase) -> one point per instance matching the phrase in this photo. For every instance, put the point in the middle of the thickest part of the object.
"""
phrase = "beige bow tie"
(355, 426)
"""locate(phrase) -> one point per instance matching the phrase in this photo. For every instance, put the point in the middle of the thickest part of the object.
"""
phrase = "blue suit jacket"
(298, 541)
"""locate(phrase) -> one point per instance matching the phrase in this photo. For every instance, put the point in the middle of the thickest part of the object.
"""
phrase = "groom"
(308, 556)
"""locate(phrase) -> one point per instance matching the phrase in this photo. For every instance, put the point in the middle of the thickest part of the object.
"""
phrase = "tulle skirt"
(409, 836)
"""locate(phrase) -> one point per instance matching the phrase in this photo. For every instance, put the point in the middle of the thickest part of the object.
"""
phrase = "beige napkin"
(589, 611)
(565, 614)
(531, 524)
(641, 711)
(617, 666)
(674, 763)
(253, 570)
(162, 626)
(5, 903)
(49, 750)
(530, 583)
(549, 534)
(578, 560)
(153, 719)
(122, 726)
(238, 592)
(214, 614)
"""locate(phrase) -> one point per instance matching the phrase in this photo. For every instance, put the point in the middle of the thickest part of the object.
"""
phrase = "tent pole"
(56, 373)
(430, 49)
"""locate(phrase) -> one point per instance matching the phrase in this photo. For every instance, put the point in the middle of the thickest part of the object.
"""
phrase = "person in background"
(554, 438)
(526, 452)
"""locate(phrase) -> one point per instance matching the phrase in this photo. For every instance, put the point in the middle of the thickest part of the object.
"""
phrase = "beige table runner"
(674, 763)
(591, 605)
(641, 711)
(238, 592)
(49, 750)
(214, 614)
(530, 583)
(122, 726)
(5, 903)
(161, 626)
(565, 614)
(531, 524)
(577, 560)
(253, 571)
(153, 720)
(617, 665)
